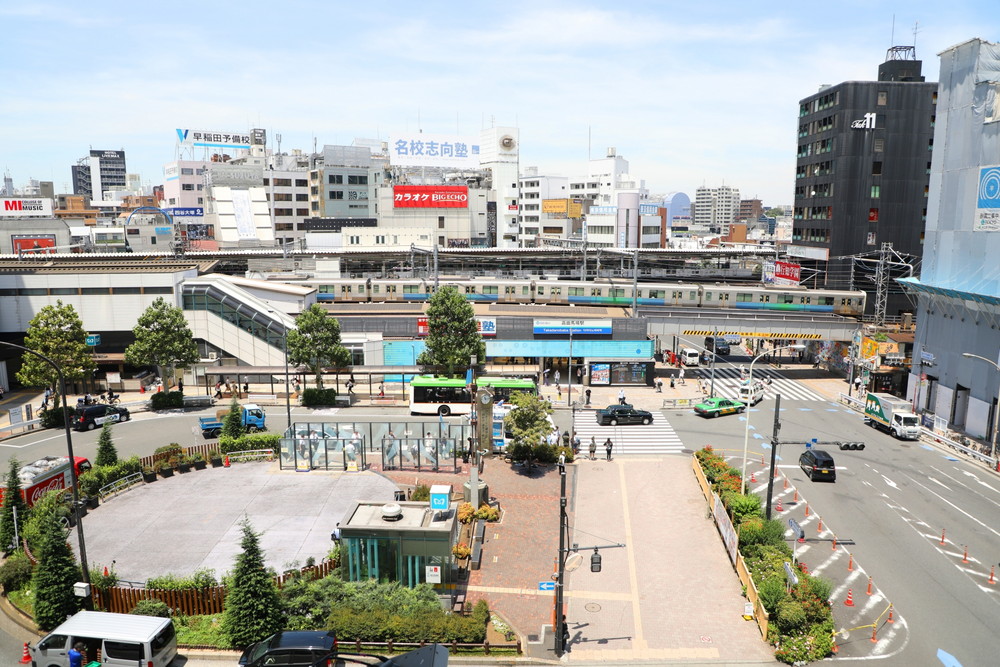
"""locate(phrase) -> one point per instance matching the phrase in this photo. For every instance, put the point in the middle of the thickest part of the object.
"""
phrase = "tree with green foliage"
(54, 577)
(107, 455)
(453, 336)
(232, 425)
(13, 503)
(528, 423)
(57, 333)
(162, 339)
(315, 343)
(253, 609)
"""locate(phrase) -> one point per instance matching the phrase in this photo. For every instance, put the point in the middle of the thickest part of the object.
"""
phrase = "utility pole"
(774, 454)
(635, 284)
(882, 284)
(560, 626)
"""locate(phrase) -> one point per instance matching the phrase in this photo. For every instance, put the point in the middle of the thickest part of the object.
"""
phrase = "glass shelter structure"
(406, 542)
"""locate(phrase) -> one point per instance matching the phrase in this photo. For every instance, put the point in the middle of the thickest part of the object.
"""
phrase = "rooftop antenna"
(916, 29)
(892, 32)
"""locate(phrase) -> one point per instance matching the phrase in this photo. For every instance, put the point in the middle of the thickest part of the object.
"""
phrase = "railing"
(453, 647)
(679, 403)
(962, 448)
(123, 484)
(252, 455)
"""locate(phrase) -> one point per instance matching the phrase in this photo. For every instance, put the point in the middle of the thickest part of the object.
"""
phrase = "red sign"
(430, 196)
(33, 243)
(787, 271)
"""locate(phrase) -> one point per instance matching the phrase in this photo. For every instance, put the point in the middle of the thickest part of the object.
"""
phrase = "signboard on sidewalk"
(432, 573)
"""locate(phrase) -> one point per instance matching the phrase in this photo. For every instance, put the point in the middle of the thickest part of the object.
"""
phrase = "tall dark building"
(862, 175)
(100, 171)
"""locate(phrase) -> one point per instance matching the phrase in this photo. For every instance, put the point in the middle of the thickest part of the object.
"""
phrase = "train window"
(844, 302)
(787, 298)
(390, 288)
(694, 296)
(708, 296)
(595, 292)
(375, 289)
(470, 289)
(617, 292)
(555, 291)
(409, 289)
(541, 290)
(576, 291)
(657, 293)
(723, 296)
(490, 289)
(345, 289)
(805, 299)
(524, 290)
(744, 297)
(765, 298)
(326, 289)
(677, 295)
(826, 300)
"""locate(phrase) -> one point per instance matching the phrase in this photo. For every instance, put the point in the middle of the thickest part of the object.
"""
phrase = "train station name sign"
(572, 326)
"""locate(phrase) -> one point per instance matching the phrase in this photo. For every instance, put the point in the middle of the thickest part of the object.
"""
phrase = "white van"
(119, 639)
(751, 395)
(690, 357)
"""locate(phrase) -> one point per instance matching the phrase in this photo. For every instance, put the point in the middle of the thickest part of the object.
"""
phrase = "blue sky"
(690, 93)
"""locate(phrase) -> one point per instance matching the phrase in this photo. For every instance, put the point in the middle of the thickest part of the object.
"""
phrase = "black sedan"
(614, 415)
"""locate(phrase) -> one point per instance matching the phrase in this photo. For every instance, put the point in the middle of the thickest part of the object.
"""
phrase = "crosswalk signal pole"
(560, 626)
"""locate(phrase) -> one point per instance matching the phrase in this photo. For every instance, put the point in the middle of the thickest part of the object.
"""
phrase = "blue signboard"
(546, 585)
(649, 209)
(93, 340)
(576, 326)
(189, 212)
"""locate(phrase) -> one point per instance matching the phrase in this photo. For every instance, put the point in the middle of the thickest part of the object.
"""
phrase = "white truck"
(892, 415)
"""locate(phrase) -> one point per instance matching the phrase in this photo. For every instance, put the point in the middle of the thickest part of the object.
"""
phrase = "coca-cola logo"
(40, 490)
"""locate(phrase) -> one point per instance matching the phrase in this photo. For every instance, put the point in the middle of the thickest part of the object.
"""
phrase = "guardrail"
(679, 403)
(123, 484)
(852, 402)
(252, 455)
(968, 451)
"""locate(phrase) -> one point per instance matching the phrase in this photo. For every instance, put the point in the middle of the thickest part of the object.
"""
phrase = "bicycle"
(114, 400)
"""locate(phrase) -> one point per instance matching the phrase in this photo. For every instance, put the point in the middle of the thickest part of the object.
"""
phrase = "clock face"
(485, 398)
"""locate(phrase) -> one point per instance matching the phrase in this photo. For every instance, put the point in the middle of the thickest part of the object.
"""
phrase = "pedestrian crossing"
(631, 440)
(727, 383)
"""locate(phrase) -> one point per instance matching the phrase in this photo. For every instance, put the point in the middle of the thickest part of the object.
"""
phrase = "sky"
(690, 93)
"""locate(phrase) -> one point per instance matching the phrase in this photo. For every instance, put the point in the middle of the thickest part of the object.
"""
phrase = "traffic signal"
(595, 561)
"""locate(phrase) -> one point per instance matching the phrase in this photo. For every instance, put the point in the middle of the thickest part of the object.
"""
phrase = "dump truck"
(893, 415)
(253, 419)
(51, 472)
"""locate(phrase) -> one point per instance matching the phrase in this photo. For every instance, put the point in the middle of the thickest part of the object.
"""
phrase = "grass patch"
(22, 600)
(200, 630)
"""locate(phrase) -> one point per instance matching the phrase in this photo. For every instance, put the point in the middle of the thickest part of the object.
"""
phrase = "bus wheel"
(444, 411)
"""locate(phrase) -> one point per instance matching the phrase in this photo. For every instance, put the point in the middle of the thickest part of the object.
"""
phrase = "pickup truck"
(892, 415)
(253, 419)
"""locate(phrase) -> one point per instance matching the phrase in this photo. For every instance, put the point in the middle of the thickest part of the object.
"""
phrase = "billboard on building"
(234, 175)
(43, 243)
(434, 150)
(575, 326)
(988, 205)
(786, 273)
(108, 155)
(36, 207)
(213, 139)
(555, 205)
(574, 209)
(808, 252)
(430, 196)
(487, 326)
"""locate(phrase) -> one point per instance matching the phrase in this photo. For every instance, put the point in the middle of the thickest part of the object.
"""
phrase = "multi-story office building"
(958, 289)
(714, 209)
(862, 173)
(544, 207)
(97, 173)
(345, 184)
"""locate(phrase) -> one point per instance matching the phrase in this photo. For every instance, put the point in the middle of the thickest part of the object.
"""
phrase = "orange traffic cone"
(225, 461)
(753, 478)
(849, 602)
(850, 564)
(26, 656)
(874, 638)
(890, 619)
(992, 579)
(779, 508)
(807, 509)
(795, 498)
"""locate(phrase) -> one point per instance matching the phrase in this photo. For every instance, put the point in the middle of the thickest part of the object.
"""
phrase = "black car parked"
(623, 414)
(91, 416)
(292, 648)
(817, 464)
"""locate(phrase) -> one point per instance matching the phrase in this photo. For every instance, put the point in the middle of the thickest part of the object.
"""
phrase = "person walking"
(587, 394)
(593, 448)
(857, 384)
(576, 443)
(545, 376)
(557, 376)
(621, 397)
(608, 445)
(680, 376)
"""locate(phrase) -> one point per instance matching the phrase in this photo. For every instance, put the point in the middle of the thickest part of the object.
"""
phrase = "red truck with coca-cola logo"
(41, 476)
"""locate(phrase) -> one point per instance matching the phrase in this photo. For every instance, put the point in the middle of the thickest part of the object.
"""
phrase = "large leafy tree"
(55, 575)
(12, 500)
(162, 338)
(453, 335)
(107, 455)
(528, 423)
(315, 343)
(253, 609)
(57, 333)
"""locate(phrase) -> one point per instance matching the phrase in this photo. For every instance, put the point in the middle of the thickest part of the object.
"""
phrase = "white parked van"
(119, 639)
(690, 357)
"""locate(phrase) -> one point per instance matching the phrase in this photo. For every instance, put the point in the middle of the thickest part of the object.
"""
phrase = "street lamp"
(72, 468)
(746, 430)
(288, 384)
(996, 413)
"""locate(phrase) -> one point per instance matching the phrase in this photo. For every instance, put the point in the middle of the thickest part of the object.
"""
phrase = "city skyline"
(689, 96)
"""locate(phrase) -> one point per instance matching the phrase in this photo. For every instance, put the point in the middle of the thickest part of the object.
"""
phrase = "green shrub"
(99, 476)
(565, 451)
(100, 581)
(166, 400)
(250, 442)
(756, 530)
(466, 513)
(151, 607)
(16, 571)
(172, 448)
(802, 648)
(791, 616)
(742, 507)
(487, 513)
(767, 560)
(421, 493)
(201, 579)
(772, 592)
(314, 397)
(54, 418)
(821, 588)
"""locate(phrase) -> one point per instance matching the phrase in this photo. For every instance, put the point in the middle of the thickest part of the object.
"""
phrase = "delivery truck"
(892, 415)
(253, 419)
(51, 472)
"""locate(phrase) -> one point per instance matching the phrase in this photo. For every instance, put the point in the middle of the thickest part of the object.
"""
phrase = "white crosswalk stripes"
(634, 439)
(727, 382)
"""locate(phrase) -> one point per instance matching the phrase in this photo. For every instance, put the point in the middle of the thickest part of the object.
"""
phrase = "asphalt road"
(889, 506)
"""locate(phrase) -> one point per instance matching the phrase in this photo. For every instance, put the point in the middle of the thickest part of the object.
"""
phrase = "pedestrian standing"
(659, 385)
(76, 655)
(857, 384)
(180, 385)
(593, 448)
(621, 397)
(587, 394)
(576, 443)
(381, 390)
(557, 376)
(680, 376)
(608, 445)
(246, 388)
(545, 377)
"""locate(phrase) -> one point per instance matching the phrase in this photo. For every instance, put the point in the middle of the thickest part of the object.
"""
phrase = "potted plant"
(216, 459)
(198, 461)
(92, 502)
(166, 470)
(183, 464)
(148, 474)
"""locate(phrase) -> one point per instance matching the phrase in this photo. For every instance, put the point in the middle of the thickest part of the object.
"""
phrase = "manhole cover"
(592, 607)
(687, 451)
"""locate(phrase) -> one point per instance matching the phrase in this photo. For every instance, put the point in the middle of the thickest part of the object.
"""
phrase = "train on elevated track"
(601, 292)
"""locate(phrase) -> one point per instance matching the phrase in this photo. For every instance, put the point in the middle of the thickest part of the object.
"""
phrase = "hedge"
(250, 442)
(167, 400)
(313, 397)
(99, 476)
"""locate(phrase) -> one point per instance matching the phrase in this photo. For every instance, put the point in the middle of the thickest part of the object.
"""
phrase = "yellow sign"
(554, 205)
(754, 334)
(352, 466)
(869, 347)
(574, 209)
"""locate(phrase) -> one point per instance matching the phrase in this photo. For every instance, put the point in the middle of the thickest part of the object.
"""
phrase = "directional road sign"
(546, 585)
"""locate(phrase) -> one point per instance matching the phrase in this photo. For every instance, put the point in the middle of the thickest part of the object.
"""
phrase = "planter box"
(200, 465)
(93, 502)
(183, 467)
(216, 461)
(166, 472)
(149, 477)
